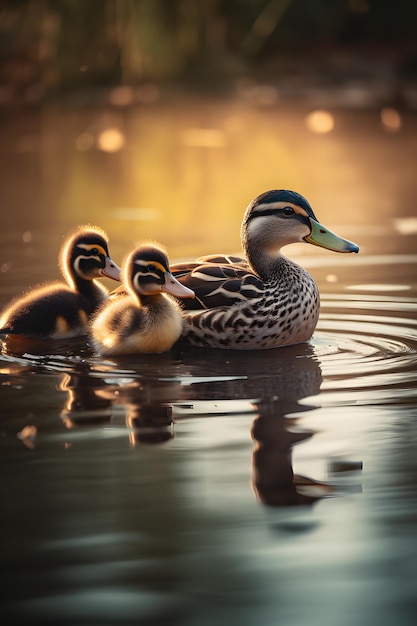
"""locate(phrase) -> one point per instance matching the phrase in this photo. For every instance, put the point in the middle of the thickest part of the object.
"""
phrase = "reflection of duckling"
(84, 406)
(146, 404)
(149, 423)
(57, 310)
(146, 319)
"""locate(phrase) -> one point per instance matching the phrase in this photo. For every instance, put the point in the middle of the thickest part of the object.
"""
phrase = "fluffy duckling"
(62, 310)
(144, 319)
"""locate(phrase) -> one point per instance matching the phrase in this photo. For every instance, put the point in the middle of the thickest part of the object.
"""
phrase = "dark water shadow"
(148, 399)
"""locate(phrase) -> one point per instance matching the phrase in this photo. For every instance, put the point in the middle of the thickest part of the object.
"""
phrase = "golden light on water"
(379, 287)
(122, 96)
(111, 140)
(84, 142)
(406, 225)
(203, 138)
(391, 119)
(320, 121)
(332, 278)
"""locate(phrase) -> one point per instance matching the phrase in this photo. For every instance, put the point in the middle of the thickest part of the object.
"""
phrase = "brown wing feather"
(217, 284)
(222, 259)
(217, 280)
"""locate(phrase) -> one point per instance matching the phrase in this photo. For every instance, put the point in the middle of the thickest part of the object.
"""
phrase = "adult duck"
(61, 310)
(264, 300)
(142, 318)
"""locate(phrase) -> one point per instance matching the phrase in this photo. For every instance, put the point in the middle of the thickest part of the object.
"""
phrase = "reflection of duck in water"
(273, 477)
(59, 310)
(146, 319)
(84, 406)
(149, 423)
(146, 405)
(148, 408)
(274, 382)
(264, 300)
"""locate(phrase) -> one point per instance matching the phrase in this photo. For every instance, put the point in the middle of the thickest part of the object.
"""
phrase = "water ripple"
(375, 352)
(374, 348)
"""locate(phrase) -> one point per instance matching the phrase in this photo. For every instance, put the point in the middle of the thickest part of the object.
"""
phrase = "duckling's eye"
(151, 268)
(288, 210)
(94, 251)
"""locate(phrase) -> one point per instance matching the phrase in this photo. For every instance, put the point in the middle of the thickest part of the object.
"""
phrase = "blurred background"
(56, 48)
(164, 118)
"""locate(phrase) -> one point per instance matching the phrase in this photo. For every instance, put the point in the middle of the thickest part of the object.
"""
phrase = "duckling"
(61, 310)
(264, 300)
(145, 319)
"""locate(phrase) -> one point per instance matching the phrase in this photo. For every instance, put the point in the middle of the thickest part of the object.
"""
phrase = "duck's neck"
(158, 307)
(155, 301)
(261, 249)
(267, 263)
(90, 289)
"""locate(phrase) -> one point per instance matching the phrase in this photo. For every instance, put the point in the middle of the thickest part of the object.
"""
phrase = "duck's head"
(146, 272)
(280, 217)
(85, 256)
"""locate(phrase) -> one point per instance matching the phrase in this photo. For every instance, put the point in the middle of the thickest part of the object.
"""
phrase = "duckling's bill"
(323, 237)
(175, 288)
(111, 270)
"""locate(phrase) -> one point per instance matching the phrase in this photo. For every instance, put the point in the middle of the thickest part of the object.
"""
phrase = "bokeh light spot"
(84, 142)
(122, 96)
(320, 121)
(111, 140)
(406, 225)
(332, 278)
(391, 119)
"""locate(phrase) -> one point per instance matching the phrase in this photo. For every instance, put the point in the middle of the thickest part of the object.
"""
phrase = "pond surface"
(214, 487)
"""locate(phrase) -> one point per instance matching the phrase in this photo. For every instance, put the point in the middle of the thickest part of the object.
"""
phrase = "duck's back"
(285, 313)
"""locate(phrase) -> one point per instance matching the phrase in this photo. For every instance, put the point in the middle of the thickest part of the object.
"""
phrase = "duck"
(143, 317)
(61, 310)
(263, 300)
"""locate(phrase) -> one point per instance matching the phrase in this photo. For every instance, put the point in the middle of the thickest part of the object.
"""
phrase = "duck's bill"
(323, 237)
(174, 287)
(111, 270)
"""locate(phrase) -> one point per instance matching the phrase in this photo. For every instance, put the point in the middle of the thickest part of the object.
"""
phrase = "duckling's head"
(146, 273)
(279, 217)
(85, 256)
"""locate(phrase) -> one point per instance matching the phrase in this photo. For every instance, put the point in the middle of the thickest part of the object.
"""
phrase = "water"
(210, 487)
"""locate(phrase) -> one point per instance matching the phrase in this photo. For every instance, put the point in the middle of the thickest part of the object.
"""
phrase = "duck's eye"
(288, 210)
(151, 268)
(94, 251)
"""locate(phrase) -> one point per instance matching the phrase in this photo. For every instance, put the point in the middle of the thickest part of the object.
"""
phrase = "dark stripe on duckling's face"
(147, 272)
(148, 275)
(85, 256)
(89, 258)
(146, 269)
